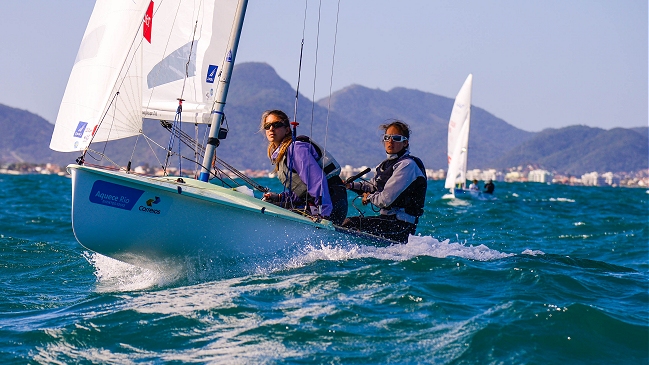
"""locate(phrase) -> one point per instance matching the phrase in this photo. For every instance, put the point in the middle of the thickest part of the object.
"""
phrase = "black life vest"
(412, 199)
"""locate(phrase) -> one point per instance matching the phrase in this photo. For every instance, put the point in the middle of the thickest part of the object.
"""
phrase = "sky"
(535, 64)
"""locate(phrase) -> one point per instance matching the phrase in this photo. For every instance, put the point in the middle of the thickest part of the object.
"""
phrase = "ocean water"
(544, 274)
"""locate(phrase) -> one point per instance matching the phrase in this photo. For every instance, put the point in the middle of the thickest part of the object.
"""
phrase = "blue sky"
(536, 65)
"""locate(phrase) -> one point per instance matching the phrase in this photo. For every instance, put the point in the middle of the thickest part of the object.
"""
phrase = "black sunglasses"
(275, 125)
(394, 137)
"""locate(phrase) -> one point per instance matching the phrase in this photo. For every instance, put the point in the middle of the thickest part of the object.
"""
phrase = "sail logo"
(81, 127)
(148, 23)
(211, 73)
(114, 195)
(229, 58)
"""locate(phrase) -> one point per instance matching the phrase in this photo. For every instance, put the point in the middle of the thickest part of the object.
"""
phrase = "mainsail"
(133, 79)
(458, 136)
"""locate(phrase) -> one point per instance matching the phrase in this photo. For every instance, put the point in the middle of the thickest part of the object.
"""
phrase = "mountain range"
(347, 124)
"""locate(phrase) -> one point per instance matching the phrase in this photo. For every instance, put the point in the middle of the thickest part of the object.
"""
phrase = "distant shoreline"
(638, 179)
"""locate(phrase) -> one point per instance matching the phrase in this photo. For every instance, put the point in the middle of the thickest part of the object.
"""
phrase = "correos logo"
(150, 203)
(153, 201)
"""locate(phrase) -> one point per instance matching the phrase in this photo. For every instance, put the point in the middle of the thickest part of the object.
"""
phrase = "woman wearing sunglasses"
(398, 188)
(309, 173)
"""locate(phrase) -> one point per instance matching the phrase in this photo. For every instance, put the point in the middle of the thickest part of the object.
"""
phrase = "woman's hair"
(403, 128)
(278, 113)
(285, 142)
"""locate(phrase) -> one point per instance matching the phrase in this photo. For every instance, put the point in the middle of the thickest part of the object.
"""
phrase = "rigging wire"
(177, 125)
(299, 69)
(315, 77)
(133, 152)
(331, 79)
(289, 153)
(315, 66)
(200, 151)
(80, 159)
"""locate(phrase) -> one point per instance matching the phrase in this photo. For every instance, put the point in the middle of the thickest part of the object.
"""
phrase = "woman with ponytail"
(302, 166)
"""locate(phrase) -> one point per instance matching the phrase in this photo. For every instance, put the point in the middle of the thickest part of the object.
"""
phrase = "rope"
(174, 133)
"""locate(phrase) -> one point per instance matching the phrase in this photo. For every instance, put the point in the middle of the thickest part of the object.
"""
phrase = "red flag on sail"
(148, 22)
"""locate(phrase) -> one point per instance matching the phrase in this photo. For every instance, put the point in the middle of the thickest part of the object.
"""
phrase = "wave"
(116, 276)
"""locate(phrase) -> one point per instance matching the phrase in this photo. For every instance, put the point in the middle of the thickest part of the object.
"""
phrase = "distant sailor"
(398, 188)
(489, 187)
(303, 166)
(474, 185)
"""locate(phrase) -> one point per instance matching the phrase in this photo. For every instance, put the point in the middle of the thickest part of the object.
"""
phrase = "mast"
(222, 92)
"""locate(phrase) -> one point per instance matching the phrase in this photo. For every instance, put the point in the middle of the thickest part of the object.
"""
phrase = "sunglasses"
(394, 137)
(275, 125)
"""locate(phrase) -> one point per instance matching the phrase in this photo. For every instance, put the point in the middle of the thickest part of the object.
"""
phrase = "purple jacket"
(309, 172)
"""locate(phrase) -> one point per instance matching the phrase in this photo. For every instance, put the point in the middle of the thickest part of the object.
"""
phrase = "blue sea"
(544, 274)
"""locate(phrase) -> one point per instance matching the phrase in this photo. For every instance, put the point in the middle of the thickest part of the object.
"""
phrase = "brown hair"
(401, 126)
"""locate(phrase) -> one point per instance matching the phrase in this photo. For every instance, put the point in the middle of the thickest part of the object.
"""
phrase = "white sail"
(184, 61)
(458, 136)
(106, 45)
(119, 77)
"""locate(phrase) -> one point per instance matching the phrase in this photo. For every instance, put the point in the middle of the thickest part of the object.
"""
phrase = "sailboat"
(169, 60)
(458, 143)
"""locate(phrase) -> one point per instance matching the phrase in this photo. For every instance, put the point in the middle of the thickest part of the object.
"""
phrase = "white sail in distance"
(458, 136)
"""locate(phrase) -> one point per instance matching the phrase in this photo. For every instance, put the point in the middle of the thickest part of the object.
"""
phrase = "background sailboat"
(458, 142)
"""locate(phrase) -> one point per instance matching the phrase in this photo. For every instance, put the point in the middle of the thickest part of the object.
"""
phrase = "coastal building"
(515, 176)
(592, 179)
(435, 174)
(611, 179)
(540, 176)
(474, 174)
(493, 175)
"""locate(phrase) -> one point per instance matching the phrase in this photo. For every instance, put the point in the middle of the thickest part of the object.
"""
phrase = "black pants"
(387, 226)
(338, 195)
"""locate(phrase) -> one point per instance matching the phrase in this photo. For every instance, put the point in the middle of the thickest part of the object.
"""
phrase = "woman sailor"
(398, 188)
(310, 175)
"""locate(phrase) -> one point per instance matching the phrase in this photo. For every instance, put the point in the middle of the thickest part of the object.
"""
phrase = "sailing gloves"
(272, 197)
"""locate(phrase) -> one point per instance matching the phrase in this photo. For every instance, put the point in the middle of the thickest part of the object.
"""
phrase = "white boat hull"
(134, 218)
